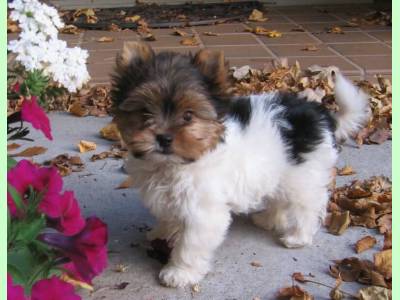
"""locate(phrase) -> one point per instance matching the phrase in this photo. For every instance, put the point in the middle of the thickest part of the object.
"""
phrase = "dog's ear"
(213, 66)
(134, 51)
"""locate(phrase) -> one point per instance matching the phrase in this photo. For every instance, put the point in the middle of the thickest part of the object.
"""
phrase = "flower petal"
(32, 112)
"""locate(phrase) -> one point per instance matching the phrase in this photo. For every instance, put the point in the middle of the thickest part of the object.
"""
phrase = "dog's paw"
(173, 276)
(296, 241)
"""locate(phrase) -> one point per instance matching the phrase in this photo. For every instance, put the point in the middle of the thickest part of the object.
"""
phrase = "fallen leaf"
(127, 183)
(13, 146)
(274, 34)
(110, 132)
(298, 276)
(379, 136)
(350, 269)
(294, 293)
(149, 37)
(383, 262)
(66, 164)
(336, 29)
(310, 48)
(85, 146)
(297, 30)
(242, 72)
(121, 286)
(179, 32)
(387, 243)
(209, 33)
(78, 109)
(256, 264)
(336, 293)
(105, 39)
(29, 152)
(76, 283)
(132, 19)
(385, 223)
(181, 17)
(374, 293)
(12, 26)
(70, 29)
(257, 16)
(114, 27)
(190, 41)
(340, 221)
(346, 170)
(89, 13)
(365, 243)
(121, 268)
(196, 288)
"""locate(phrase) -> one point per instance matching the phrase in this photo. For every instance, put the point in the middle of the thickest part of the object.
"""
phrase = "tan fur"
(133, 49)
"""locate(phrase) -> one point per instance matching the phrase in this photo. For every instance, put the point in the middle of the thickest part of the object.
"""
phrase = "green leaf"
(35, 82)
(11, 162)
(28, 231)
(17, 275)
(16, 197)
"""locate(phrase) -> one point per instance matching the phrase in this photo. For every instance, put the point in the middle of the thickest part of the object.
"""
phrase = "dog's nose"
(164, 140)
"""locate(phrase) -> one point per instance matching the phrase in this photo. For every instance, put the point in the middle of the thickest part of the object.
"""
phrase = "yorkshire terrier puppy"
(198, 155)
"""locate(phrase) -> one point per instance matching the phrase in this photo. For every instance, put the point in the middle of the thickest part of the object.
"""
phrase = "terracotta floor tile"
(348, 37)
(242, 51)
(297, 50)
(259, 63)
(342, 64)
(281, 27)
(274, 19)
(100, 70)
(114, 45)
(101, 57)
(314, 18)
(166, 41)
(232, 39)
(324, 27)
(220, 28)
(290, 38)
(182, 50)
(385, 36)
(362, 48)
(93, 35)
(374, 64)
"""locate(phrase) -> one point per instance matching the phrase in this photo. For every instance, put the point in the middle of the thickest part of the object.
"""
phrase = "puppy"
(198, 155)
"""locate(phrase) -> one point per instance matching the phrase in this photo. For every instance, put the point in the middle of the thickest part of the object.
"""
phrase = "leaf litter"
(66, 164)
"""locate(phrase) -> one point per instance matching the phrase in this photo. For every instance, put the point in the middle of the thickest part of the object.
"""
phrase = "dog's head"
(168, 106)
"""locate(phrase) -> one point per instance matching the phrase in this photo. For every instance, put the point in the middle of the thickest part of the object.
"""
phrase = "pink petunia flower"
(45, 180)
(53, 289)
(87, 250)
(32, 112)
(14, 292)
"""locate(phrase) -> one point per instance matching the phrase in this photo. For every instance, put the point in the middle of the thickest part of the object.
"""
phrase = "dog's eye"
(187, 116)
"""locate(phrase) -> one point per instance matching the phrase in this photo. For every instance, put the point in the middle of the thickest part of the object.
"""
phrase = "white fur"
(248, 173)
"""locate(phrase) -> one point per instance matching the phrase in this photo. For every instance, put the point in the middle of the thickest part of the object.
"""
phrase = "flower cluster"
(46, 228)
(38, 47)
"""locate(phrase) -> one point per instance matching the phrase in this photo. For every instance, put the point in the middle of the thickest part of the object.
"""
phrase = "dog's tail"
(353, 105)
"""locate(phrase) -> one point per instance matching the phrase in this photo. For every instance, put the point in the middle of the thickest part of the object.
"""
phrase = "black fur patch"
(240, 110)
(308, 122)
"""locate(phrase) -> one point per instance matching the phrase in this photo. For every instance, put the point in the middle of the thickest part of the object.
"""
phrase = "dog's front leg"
(190, 259)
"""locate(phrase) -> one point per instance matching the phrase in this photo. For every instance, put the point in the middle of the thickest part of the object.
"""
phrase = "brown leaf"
(12, 26)
(374, 293)
(66, 164)
(340, 221)
(149, 37)
(78, 109)
(379, 136)
(195, 288)
(350, 269)
(298, 276)
(121, 286)
(85, 146)
(127, 183)
(13, 146)
(190, 41)
(89, 13)
(209, 33)
(110, 132)
(365, 243)
(114, 27)
(385, 223)
(70, 29)
(336, 293)
(105, 39)
(383, 262)
(310, 48)
(387, 243)
(257, 16)
(256, 264)
(336, 29)
(297, 30)
(132, 19)
(294, 292)
(346, 170)
(29, 152)
(121, 268)
(179, 32)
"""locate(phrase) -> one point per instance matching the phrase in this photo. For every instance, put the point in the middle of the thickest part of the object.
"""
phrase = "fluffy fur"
(271, 157)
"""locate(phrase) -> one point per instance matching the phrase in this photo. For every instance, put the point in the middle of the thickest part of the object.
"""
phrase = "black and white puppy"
(198, 155)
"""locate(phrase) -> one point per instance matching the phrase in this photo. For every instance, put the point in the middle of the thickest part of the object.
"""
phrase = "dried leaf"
(76, 283)
(340, 221)
(336, 293)
(121, 286)
(78, 109)
(190, 41)
(310, 48)
(179, 32)
(114, 27)
(374, 293)
(387, 243)
(297, 30)
(70, 29)
(149, 37)
(350, 269)
(383, 262)
(242, 72)
(121, 268)
(29, 152)
(365, 243)
(12, 26)
(85, 146)
(13, 146)
(209, 33)
(336, 29)
(346, 170)
(105, 39)
(257, 16)
(298, 276)
(110, 132)
(385, 223)
(294, 292)
(256, 264)
(379, 136)
(132, 19)
(127, 183)
(274, 34)
(89, 13)
(66, 164)
(196, 288)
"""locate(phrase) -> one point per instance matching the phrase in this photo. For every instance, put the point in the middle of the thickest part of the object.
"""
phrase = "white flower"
(38, 46)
